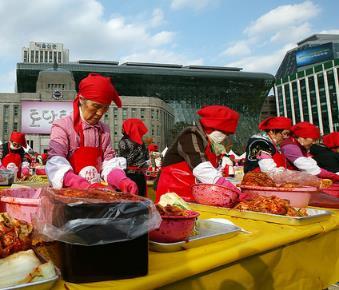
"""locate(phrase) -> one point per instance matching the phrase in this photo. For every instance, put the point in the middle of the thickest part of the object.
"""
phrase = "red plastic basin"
(298, 196)
(20, 203)
(174, 228)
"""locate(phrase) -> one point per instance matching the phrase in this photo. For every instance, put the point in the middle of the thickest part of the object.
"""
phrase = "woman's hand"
(128, 185)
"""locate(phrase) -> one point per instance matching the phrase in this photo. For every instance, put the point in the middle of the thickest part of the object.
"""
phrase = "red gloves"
(128, 185)
(118, 179)
(75, 181)
(224, 182)
(25, 172)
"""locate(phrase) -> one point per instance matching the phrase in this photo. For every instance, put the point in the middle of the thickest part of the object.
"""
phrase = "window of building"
(36, 56)
(124, 113)
(152, 114)
(106, 118)
(41, 56)
(59, 56)
(46, 56)
(296, 102)
(157, 114)
(5, 129)
(50, 57)
(25, 56)
(15, 126)
(288, 101)
(134, 112)
(304, 103)
(6, 112)
(153, 130)
(313, 98)
(158, 130)
(32, 55)
(142, 113)
(16, 111)
(115, 114)
(333, 99)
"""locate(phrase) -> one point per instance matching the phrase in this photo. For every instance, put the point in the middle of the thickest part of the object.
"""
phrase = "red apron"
(86, 156)
(14, 158)
(179, 178)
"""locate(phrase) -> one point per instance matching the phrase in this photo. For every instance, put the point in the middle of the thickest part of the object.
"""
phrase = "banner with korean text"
(37, 117)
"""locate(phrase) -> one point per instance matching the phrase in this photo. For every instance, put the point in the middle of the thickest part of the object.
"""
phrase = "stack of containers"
(101, 235)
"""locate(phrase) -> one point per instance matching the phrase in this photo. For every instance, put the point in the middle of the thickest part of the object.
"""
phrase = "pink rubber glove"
(234, 194)
(128, 185)
(25, 171)
(328, 175)
(75, 181)
(118, 179)
(115, 177)
(224, 182)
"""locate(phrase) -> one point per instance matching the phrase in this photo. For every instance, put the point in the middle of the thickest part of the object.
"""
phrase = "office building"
(184, 88)
(45, 52)
(307, 87)
(34, 112)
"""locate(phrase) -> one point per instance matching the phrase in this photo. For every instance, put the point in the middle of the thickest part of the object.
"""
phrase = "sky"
(251, 34)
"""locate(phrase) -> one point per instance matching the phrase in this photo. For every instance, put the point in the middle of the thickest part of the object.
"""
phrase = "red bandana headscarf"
(153, 147)
(275, 123)
(96, 88)
(19, 138)
(306, 130)
(219, 118)
(135, 129)
(331, 140)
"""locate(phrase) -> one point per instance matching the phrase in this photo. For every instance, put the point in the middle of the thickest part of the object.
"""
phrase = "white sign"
(37, 117)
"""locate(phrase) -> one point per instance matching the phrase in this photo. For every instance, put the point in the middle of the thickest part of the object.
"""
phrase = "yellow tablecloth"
(272, 256)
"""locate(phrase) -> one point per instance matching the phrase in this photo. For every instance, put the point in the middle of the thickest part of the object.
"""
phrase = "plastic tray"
(314, 215)
(39, 285)
(209, 231)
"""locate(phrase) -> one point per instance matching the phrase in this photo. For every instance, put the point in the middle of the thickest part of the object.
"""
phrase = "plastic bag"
(300, 178)
(93, 217)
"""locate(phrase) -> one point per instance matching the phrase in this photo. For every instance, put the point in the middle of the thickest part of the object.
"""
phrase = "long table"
(271, 256)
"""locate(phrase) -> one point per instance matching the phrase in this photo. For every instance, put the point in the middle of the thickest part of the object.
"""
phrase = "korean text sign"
(37, 117)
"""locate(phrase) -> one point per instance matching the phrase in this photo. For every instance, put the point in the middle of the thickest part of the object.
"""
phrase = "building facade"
(184, 88)
(55, 89)
(307, 87)
(43, 52)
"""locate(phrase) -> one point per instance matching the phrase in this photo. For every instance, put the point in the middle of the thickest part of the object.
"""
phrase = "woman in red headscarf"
(80, 152)
(13, 154)
(297, 150)
(192, 157)
(132, 147)
(262, 150)
(332, 141)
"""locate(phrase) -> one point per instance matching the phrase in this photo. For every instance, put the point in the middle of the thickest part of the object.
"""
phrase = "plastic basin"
(298, 196)
(20, 203)
(216, 195)
(174, 228)
(40, 170)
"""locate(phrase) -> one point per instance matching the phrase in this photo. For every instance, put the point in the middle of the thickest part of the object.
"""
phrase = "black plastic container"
(110, 261)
